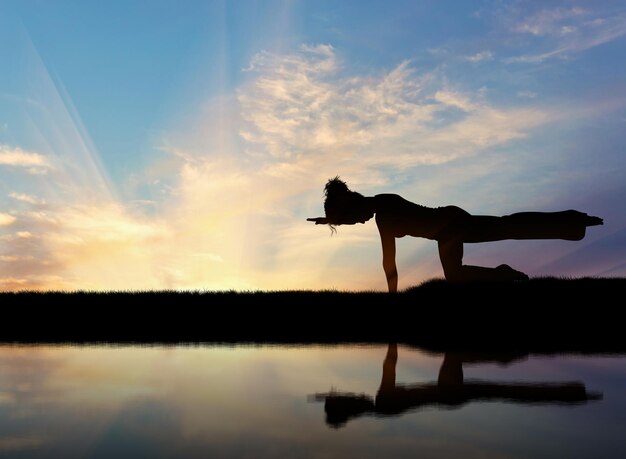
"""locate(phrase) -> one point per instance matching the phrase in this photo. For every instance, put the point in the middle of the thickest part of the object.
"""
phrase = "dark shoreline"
(542, 315)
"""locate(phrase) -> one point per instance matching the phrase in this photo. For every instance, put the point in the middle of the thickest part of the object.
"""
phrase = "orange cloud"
(6, 219)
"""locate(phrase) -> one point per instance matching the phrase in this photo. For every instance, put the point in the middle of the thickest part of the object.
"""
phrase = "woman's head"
(343, 206)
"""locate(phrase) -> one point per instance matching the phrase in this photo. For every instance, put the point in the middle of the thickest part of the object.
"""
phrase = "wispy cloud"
(304, 105)
(34, 163)
(534, 58)
(551, 21)
(455, 99)
(479, 57)
(562, 32)
(27, 198)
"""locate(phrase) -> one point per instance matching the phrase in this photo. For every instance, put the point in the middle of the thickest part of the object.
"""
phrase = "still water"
(347, 401)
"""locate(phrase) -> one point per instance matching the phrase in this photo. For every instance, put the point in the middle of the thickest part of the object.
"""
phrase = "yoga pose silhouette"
(450, 226)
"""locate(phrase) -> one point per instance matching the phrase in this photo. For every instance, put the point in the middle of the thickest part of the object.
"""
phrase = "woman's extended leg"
(451, 256)
(569, 225)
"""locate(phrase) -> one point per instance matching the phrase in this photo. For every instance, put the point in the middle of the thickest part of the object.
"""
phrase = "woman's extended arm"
(389, 260)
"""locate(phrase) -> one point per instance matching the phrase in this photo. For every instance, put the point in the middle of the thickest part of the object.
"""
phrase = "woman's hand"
(318, 220)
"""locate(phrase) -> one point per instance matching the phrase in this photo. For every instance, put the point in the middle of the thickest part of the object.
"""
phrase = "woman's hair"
(339, 204)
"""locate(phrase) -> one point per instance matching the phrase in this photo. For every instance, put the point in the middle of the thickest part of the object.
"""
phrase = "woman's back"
(401, 217)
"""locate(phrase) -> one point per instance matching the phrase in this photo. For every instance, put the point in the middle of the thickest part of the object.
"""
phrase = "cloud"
(479, 57)
(303, 106)
(454, 99)
(550, 21)
(536, 58)
(11, 444)
(6, 219)
(13, 284)
(34, 163)
(94, 240)
(13, 258)
(527, 94)
(561, 32)
(26, 198)
(83, 246)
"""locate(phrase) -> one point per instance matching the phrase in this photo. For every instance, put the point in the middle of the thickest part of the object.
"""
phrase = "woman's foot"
(506, 273)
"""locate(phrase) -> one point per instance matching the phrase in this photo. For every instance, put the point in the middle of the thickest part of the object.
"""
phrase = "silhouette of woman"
(450, 226)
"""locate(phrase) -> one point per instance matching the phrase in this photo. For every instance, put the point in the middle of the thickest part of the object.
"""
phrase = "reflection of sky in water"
(251, 401)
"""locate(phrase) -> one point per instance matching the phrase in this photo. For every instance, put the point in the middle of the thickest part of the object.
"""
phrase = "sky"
(182, 145)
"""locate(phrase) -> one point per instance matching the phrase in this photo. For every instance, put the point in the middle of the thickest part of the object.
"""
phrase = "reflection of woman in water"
(449, 391)
(450, 226)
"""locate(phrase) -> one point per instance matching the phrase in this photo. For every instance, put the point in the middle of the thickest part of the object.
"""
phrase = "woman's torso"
(399, 217)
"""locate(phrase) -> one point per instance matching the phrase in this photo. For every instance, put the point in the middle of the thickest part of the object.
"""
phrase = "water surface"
(366, 401)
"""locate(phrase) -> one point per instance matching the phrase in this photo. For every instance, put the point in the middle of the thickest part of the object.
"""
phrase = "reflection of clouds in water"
(7, 398)
(19, 444)
(93, 396)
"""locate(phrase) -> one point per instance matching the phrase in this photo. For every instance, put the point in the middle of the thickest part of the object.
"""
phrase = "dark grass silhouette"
(543, 314)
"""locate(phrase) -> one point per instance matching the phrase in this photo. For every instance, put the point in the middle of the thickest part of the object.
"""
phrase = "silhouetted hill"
(543, 314)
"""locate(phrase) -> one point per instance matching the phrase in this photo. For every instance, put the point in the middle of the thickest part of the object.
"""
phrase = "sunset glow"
(167, 145)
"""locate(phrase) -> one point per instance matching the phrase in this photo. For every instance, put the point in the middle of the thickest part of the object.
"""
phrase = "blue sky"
(162, 144)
